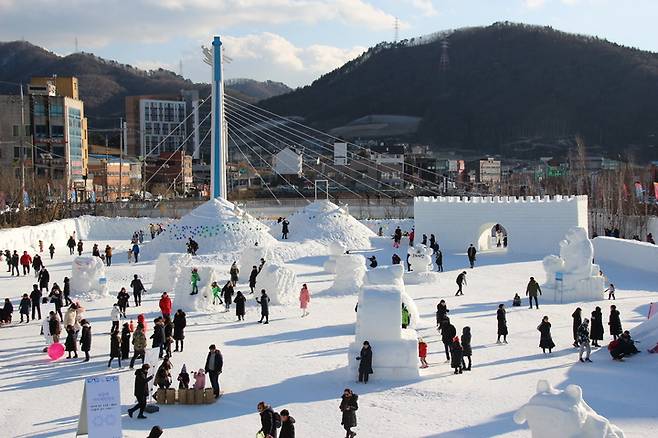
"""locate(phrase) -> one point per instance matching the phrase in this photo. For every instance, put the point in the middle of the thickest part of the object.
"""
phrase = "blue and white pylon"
(218, 138)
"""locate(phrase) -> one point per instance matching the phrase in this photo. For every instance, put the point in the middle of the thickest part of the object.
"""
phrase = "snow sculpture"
(420, 259)
(336, 249)
(251, 256)
(202, 301)
(572, 276)
(280, 282)
(384, 276)
(168, 268)
(350, 270)
(552, 413)
(88, 278)
(395, 350)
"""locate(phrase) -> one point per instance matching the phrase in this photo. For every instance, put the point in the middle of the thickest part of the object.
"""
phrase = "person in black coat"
(70, 343)
(264, 302)
(395, 260)
(596, 332)
(122, 299)
(461, 282)
(141, 390)
(158, 336)
(168, 335)
(51, 250)
(56, 299)
(471, 252)
(348, 406)
(267, 420)
(125, 341)
(138, 288)
(85, 339)
(287, 425)
(115, 348)
(252, 278)
(373, 262)
(448, 332)
(239, 305)
(285, 229)
(457, 355)
(545, 339)
(180, 322)
(7, 310)
(24, 307)
(467, 350)
(614, 322)
(365, 364)
(71, 245)
(44, 279)
(441, 311)
(14, 264)
(227, 294)
(501, 316)
(35, 297)
(67, 292)
(577, 321)
(214, 365)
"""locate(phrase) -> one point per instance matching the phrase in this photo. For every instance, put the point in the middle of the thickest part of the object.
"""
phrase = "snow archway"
(492, 237)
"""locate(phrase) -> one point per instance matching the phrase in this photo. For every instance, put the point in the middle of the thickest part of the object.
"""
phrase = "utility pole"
(107, 162)
(121, 160)
(21, 133)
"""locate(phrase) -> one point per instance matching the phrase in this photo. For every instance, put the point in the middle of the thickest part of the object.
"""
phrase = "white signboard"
(100, 412)
(151, 358)
(340, 154)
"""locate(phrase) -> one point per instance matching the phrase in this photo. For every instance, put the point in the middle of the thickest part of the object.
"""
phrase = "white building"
(158, 118)
(287, 162)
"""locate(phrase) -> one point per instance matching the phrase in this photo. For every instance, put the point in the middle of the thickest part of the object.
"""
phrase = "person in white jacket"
(45, 328)
(116, 316)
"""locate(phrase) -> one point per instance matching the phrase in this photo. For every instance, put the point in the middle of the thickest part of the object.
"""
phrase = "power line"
(255, 171)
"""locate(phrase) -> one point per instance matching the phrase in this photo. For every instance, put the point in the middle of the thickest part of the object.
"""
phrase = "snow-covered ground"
(301, 363)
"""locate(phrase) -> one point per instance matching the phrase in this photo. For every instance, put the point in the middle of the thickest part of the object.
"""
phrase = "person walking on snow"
(37, 264)
(136, 252)
(611, 291)
(122, 300)
(85, 339)
(285, 229)
(216, 293)
(501, 316)
(115, 316)
(239, 305)
(365, 362)
(439, 260)
(397, 237)
(422, 353)
(252, 278)
(139, 345)
(138, 288)
(214, 365)
(467, 351)
(457, 355)
(115, 348)
(348, 406)
(532, 290)
(234, 272)
(471, 252)
(194, 281)
(158, 336)
(165, 305)
(264, 302)
(44, 279)
(577, 321)
(461, 282)
(24, 308)
(441, 311)
(67, 292)
(35, 298)
(80, 247)
(14, 264)
(227, 292)
(448, 332)
(304, 299)
(108, 255)
(583, 340)
(545, 339)
(268, 420)
(125, 341)
(51, 250)
(596, 334)
(180, 322)
(70, 244)
(287, 424)
(141, 390)
(614, 322)
(26, 261)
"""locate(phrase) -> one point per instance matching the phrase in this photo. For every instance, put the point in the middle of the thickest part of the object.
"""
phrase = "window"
(57, 130)
(15, 131)
(39, 109)
(59, 150)
(41, 130)
(56, 109)
(17, 153)
(28, 130)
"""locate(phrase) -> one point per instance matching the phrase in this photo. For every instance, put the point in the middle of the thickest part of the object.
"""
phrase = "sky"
(292, 41)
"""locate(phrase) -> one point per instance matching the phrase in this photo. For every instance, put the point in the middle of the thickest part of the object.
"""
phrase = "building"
(169, 171)
(114, 178)
(15, 134)
(389, 161)
(486, 171)
(59, 132)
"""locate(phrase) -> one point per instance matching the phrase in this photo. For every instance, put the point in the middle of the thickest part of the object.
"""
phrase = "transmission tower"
(180, 68)
(444, 62)
(396, 27)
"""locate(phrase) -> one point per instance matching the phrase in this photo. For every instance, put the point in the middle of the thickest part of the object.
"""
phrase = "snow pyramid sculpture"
(350, 270)
(168, 268)
(88, 278)
(551, 413)
(218, 226)
(420, 259)
(378, 321)
(572, 276)
(336, 249)
(326, 222)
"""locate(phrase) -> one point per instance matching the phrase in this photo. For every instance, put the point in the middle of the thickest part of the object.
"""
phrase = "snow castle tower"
(395, 350)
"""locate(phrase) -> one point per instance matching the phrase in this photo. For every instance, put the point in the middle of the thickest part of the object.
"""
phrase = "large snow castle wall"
(534, 224)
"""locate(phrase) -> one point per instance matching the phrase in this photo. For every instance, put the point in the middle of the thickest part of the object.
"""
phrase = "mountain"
(104, 84)
(512, 89)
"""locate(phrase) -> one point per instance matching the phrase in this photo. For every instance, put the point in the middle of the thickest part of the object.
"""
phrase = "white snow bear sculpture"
(420, 258)
(350, 271)
(88, 278)
(552, 413)
(580, 277)
(336, 249)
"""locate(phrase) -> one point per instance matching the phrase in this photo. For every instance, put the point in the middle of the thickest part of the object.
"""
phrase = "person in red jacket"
(165, 305)
(26, 261)
(422, 353)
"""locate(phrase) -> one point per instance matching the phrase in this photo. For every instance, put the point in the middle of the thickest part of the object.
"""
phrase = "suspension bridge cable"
(267, 186)
(292, 132)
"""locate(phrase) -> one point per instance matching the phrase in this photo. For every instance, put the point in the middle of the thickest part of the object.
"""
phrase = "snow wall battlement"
(629, 253)
(535, 225)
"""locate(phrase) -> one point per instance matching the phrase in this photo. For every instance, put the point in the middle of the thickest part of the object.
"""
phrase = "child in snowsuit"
(194, 281)
(183, 379)
(199, 379)
(216, 293)
(422, 353)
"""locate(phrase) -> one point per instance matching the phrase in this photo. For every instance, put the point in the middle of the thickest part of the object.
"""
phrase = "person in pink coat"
(304, 299)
